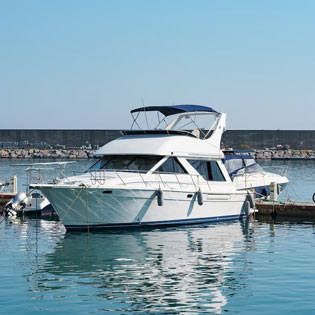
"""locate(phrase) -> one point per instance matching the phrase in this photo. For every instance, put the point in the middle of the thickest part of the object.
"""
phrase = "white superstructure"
(153, 177)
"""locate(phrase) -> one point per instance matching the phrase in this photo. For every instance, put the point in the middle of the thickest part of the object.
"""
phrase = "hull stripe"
(151, 223)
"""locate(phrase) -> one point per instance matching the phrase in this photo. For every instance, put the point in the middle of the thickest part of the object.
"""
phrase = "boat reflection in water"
(170, 270)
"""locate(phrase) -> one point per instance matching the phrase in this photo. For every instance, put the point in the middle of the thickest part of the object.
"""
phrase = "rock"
(64, 155)
(82, 155)
(267, 154)
(44, 152)
(24, 154)
(4, 154)
(260, 156)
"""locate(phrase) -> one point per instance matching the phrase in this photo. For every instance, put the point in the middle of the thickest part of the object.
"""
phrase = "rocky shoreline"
(73, 154)
(282, 153)
(276, 153)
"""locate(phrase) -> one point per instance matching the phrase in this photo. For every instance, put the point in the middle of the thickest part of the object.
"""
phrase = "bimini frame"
(185, 112)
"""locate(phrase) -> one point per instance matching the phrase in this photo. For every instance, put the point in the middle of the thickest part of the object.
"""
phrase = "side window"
(215, 172)
(143, 163)
(209, 170)
(97, 165)
(201, 167)
(171, 165)
(117, 163)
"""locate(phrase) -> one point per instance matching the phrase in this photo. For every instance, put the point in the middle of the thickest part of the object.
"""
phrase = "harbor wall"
(237, 139)
(261, 139)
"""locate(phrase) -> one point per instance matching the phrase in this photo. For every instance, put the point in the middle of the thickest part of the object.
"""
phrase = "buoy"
(251, 200)
(200, 197)
(159, 194)
(247, 208)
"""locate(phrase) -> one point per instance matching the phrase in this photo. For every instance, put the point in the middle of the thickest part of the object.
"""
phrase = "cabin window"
(209, 170)
(171, 165)
(36, 195)
(201, 167)
(127, 163)
(215, 172)
(97, 165)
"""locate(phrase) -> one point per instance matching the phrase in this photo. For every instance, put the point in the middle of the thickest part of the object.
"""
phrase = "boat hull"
(80, 208)
(264, 191)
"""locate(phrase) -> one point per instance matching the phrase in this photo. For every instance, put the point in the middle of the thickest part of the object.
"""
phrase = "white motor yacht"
(154, 177)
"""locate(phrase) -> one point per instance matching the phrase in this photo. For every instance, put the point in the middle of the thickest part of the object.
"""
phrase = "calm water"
(301, 175)
(240, 267)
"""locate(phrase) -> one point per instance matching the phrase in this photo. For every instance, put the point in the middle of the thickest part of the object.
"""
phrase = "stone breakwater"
(46, 154)
(273, 153)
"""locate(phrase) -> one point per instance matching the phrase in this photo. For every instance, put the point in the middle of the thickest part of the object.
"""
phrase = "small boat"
(154, 177)
(246, 173)
(31, 202)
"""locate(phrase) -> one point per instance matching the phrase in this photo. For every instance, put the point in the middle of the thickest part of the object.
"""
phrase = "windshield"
(242, 165)
(126, 163)
(254, 168)
(233, 165)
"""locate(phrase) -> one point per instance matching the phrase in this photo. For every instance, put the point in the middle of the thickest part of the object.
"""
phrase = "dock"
(5, 197)
(293, 209)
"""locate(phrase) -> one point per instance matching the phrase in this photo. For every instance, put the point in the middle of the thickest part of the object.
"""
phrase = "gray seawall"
(261, 139)
(237, 139)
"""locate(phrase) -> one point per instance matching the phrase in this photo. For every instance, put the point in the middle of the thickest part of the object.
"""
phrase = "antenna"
(145, 113)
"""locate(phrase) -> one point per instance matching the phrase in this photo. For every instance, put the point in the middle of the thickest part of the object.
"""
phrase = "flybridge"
(192, 120)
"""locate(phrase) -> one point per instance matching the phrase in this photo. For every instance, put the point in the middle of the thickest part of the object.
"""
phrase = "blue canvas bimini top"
(175, 109)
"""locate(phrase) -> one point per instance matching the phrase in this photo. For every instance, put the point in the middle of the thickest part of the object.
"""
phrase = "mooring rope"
(74, 200)
(87, 216)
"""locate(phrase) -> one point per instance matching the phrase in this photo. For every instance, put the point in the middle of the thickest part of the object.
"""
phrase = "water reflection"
(187, 269)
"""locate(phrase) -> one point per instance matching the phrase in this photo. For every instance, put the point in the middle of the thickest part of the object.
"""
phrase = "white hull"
(259, 181)
(82, 208)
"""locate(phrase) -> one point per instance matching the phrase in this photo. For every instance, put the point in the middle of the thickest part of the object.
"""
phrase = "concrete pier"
(5, 197)
(293, 209)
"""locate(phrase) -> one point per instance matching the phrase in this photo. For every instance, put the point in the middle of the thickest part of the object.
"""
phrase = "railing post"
(142, 179)
(178, 181)
(120, 178)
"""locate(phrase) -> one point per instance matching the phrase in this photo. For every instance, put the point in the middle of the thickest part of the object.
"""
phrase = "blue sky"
(86, 64)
